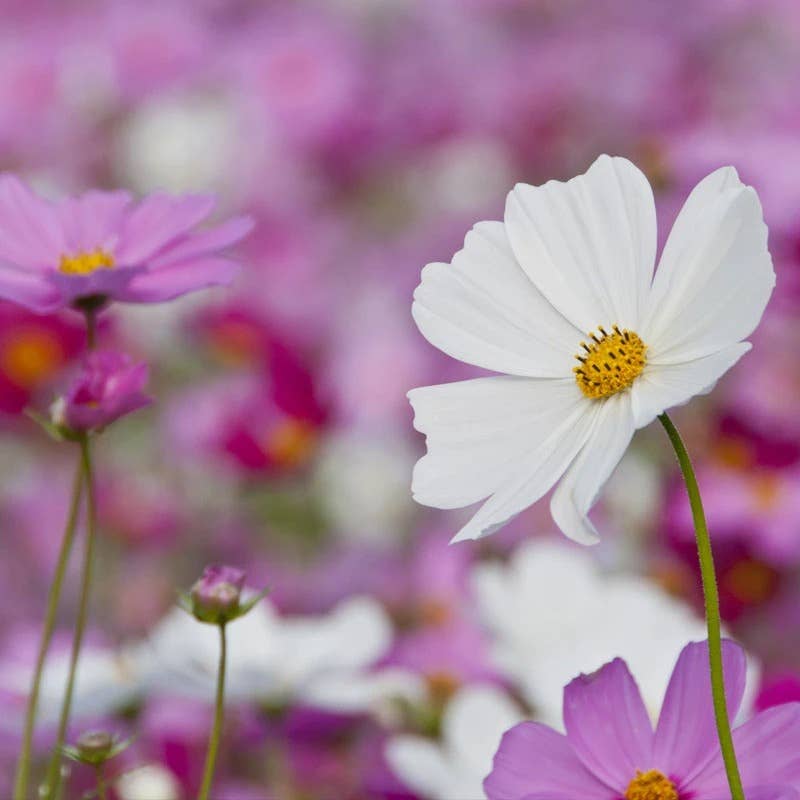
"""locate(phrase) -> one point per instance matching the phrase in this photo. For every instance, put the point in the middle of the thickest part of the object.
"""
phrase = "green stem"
(53, 599)
(711, 594)
(53, 778)
(101, 783)
(219, 707)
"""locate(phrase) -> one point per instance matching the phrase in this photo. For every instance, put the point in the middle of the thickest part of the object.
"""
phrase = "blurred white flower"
(325, 661)
(454, 768)
(178, 144)
(461, 176)
(149, 782)
(362, 480)
(105, 682)
(561, 296)
(554, 615)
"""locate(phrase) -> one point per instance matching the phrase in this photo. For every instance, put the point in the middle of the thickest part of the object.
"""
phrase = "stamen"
(618, 358)
(652, 785)
(86, 263)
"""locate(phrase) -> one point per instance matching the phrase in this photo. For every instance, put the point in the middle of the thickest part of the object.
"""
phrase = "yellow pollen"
(86, 263)
(609, 362)
(652, 785)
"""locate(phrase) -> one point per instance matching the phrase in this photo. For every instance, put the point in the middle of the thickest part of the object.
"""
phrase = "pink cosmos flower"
(610, 750)
(103, 246)
(109, 386)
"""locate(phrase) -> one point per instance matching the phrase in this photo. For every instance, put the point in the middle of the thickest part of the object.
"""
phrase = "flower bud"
(95, 746)
(216, 597)
(108, 386)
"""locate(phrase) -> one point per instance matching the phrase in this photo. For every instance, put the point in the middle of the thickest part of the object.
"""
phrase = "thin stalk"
(53, 600)
(219, 708)
(713, 621)
(53, 778)
(101, 783)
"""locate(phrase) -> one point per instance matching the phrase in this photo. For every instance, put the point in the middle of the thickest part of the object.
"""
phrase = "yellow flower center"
(652, 785)
(610, 362)
(86, 263)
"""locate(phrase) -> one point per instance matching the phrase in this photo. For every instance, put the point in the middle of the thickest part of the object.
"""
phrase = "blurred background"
(366, 137)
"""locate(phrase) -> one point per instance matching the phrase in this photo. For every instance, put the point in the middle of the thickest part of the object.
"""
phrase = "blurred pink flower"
(777, 689)
(102, 246)
(269, 421)
(758, 507)
(34, 349)
(109, 386)
(300, 74)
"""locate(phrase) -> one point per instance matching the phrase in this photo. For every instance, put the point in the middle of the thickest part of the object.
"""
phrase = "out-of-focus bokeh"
(365, 137)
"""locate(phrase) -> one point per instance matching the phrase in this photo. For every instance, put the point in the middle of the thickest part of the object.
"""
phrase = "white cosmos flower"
(569, 275)
(454, 768)
(105, 682)
(325, 660)
(553, 615)
(148, 782)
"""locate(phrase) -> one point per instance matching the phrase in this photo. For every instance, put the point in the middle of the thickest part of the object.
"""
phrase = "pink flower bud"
(216, 596)
(108, 386)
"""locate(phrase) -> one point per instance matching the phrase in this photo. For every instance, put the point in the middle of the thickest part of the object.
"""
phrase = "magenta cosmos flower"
(108, 386)
(610, 751)
(84, 251)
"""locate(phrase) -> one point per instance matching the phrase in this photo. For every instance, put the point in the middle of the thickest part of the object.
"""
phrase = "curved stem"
(216, 731)
(53, 599)
(53, 777)
(711, 595)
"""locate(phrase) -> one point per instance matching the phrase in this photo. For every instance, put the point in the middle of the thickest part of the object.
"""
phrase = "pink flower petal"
(608, 726)
(534, 761)
(178, 279)
(30, 228)
(157, 221)
(93, 220)
(208, 241)
(29, 289)
(686, 735)
(767, 750)
(764, 793)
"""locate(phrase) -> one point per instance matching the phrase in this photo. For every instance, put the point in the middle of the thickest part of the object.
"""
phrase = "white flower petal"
(421, 765)
(453, 769)
(588, 244)
(479, 432)
(180, 656)
(537, 473)
(539, 563)
(474, 722)
(576, 619)
(352, 636)
(575, 495)
(360, 692)
(483, 309)
(715, 275)
(660, 387)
